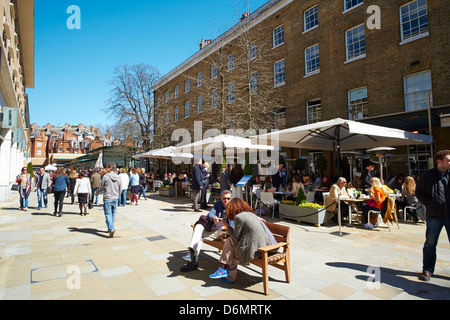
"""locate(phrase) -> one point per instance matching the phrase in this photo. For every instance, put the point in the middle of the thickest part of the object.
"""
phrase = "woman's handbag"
(50, 189)
(15, 187)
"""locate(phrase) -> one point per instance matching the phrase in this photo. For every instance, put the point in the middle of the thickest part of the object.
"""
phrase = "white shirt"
(82, 186)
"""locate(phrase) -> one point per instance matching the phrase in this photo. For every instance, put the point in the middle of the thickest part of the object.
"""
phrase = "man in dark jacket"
(433, 191)
(197, 183)
(366, 176)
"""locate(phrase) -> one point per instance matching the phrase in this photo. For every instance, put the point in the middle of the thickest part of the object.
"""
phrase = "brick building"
(371, 61)
(61, 145)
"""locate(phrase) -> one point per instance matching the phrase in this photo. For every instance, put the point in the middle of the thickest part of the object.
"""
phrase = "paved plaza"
(41, 256)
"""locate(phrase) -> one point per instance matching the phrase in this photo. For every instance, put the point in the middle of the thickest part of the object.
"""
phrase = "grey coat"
(250, 235)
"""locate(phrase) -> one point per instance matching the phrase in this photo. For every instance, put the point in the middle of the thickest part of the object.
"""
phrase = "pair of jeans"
(123, 198)
(42, 194)
(94, 190)
(24, 200)
(142, 192)
(110, 209)
(434, 228)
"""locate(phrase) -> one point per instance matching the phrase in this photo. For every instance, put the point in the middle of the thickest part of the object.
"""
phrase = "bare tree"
(131, 99)
(241, 90)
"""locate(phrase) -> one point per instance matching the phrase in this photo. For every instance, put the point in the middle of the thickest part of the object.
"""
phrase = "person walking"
(110, 185)
(25, 181)
(142, 183)
(124, 182)
(197, 183)
(205, 177)
(433, 191)
(73, 176)
(95, 179)
(60, 184)
(134, 183)
(43, 182)
(83, 190)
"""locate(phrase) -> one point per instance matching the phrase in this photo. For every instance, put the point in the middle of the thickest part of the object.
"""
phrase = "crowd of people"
(246, 230)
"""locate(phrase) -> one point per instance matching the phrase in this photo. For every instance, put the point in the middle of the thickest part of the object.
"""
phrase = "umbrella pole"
(339, 215)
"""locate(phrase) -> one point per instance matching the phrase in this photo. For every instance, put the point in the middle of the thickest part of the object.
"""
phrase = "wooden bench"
(280, 260)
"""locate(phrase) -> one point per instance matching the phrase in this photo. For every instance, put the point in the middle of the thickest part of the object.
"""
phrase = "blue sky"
(73, 68)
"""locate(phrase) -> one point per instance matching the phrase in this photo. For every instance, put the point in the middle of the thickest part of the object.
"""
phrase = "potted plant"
(303, 211)
(167, 191)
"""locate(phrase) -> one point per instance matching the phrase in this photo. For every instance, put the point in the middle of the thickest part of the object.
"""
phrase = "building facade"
(382, 62)
(60, 145)
(16, 74)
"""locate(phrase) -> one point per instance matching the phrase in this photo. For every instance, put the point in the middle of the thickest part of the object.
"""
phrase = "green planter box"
(167, 192)
(299, 214)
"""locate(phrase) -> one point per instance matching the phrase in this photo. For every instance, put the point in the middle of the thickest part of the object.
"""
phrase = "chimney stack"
(245, 15)
(204, 43)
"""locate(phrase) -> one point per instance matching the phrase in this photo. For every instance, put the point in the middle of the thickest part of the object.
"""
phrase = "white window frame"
(350, 8)
(214, 71)
(278, 36)
(360, 55)
(315, 19)
(199, 79)
(167, 95)
(360, 104)
(311, 104)
(176, 114)
(254, 83)
(167, 117)
(232, 92)
(277, 71)
(214, 101)
(187, 109)
(310, 57)
(231, 61)
(200, 104)
(402, 23)
(253, 50)
(423, 99)
(187, 86)
(176, 91)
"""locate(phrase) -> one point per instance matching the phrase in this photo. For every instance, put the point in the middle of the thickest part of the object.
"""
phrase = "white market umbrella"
(166, 154)
(204, 148)
(99, 163)
(51, 168)
(339, 134)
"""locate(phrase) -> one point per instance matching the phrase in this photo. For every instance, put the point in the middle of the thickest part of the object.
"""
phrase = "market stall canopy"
(223, 141)
(342, 135)
(165, 153)
(51, 168)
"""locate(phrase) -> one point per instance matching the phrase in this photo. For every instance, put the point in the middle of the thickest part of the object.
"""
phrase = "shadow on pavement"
(398, 279)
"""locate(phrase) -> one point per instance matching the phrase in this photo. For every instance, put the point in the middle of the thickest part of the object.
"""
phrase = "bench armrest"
(272, 247)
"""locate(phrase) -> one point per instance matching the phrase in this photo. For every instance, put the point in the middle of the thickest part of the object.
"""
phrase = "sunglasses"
(226, 199)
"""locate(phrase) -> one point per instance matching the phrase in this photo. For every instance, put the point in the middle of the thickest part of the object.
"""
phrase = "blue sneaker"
(220, 273)
(225, 280)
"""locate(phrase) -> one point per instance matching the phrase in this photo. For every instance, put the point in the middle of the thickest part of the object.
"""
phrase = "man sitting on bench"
(207, 227)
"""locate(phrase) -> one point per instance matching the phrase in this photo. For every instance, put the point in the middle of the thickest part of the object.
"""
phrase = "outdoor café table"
(283, 194)
(349, 200)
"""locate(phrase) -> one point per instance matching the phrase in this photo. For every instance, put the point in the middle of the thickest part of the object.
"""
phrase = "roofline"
(253, 19)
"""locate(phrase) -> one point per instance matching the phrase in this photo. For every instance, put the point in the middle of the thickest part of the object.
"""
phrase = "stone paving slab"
(39, 253)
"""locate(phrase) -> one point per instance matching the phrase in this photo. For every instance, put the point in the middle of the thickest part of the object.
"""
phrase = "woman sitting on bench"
(248, 234)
